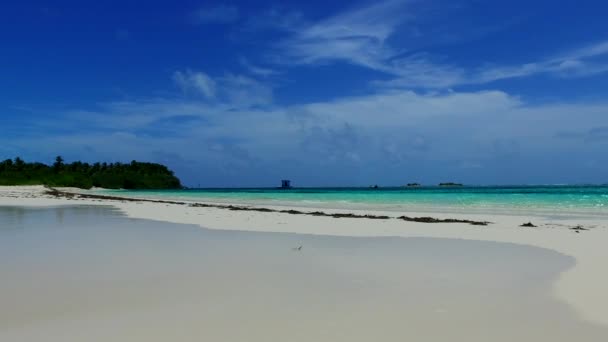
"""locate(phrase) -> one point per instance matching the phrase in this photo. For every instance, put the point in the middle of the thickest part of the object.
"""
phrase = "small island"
(450, 184)
(134, 175)
(411, 185)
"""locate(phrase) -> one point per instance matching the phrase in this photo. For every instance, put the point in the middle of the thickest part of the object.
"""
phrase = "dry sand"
(583, 286)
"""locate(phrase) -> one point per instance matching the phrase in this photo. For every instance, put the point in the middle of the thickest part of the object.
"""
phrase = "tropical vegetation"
(134, 175)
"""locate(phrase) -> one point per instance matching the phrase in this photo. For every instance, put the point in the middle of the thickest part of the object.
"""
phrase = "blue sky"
(324, 93)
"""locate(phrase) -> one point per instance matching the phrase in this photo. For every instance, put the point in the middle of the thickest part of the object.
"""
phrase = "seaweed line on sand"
(425, 219)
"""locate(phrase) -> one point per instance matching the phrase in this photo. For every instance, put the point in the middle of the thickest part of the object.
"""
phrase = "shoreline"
(513, 209)
(237, 207)
(582, 286)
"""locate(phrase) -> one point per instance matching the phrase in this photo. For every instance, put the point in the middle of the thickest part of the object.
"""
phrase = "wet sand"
(88, 273)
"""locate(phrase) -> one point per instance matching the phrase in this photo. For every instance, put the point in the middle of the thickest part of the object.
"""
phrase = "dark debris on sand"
(579, 228)
(427, 219)
(68, 195)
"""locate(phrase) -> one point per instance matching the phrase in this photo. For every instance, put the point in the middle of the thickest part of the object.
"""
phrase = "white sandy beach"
(583, 286)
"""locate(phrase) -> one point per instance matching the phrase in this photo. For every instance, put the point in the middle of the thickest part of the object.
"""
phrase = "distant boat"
(285, 184)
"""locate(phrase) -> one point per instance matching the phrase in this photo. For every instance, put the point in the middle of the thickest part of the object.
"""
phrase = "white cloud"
(221, 14)
(198, 81)
(361, 126)
(240, 132)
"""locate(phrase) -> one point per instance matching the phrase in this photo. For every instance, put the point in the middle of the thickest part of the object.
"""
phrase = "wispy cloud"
(236, 90)
(221, 14)
(420, 71)
(245, 91)
(357, 36)
(362, 36)
(195, 81)
(576, 63)
(588, 51)
(275, 18)
(257, 70)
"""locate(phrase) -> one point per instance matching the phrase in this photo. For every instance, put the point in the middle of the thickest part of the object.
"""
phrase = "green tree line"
(134, 175)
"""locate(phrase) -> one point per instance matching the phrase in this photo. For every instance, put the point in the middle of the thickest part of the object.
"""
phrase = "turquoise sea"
(555, 197)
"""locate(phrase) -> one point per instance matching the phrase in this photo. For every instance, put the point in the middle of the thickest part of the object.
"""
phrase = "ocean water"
(589, 199)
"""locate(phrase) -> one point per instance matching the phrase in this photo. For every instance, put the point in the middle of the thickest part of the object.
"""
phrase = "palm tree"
(19, 163)
(58, 165)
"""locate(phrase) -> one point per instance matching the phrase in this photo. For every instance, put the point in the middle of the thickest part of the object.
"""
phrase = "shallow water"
(90, 274)
(588, 200)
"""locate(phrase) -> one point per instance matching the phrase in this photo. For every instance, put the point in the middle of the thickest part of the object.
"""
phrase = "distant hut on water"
(285, 184)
